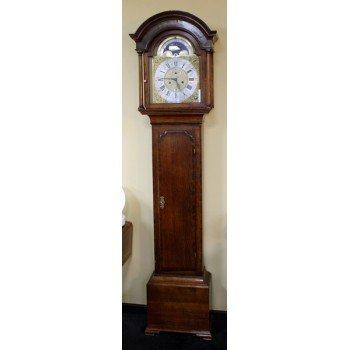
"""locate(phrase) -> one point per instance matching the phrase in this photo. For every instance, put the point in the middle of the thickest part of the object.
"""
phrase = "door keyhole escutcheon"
(162, 202)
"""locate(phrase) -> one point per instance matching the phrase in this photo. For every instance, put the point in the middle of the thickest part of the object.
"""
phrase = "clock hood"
(173, 20)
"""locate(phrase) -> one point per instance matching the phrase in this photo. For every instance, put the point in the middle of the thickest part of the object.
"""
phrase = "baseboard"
(134, 308)
(141, 308)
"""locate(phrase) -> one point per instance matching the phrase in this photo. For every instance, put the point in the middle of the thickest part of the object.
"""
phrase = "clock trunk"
(177, 197)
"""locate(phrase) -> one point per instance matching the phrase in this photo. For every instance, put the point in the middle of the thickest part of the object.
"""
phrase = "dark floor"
(134, 338)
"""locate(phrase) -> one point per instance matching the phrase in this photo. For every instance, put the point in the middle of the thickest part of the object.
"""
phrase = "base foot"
(204, 335)
(150, 331)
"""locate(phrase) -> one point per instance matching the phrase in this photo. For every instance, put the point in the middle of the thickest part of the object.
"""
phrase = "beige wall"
(137, 154)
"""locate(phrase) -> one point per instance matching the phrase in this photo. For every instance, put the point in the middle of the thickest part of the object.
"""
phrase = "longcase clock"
(175, 51)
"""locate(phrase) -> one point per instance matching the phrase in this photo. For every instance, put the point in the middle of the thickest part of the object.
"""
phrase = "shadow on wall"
(140, 265)
(217, 255)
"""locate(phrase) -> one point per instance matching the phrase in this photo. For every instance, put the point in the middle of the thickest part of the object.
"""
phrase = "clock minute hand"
(177, 82)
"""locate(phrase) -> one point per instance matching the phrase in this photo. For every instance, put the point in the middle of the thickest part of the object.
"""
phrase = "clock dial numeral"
(189, 87)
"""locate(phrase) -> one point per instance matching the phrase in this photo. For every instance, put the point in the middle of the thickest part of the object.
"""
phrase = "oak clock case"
(175, 51)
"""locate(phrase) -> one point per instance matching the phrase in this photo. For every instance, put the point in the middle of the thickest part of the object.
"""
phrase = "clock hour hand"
(175, 79)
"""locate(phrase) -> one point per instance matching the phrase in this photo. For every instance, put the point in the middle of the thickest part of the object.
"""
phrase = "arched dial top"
(175, 45)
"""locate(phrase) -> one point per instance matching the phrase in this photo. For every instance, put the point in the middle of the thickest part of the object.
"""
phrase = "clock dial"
(176, 80)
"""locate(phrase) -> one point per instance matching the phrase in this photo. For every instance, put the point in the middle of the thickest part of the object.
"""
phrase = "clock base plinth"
(177, 303)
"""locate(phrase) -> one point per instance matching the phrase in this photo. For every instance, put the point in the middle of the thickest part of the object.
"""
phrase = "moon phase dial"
(175, 81)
